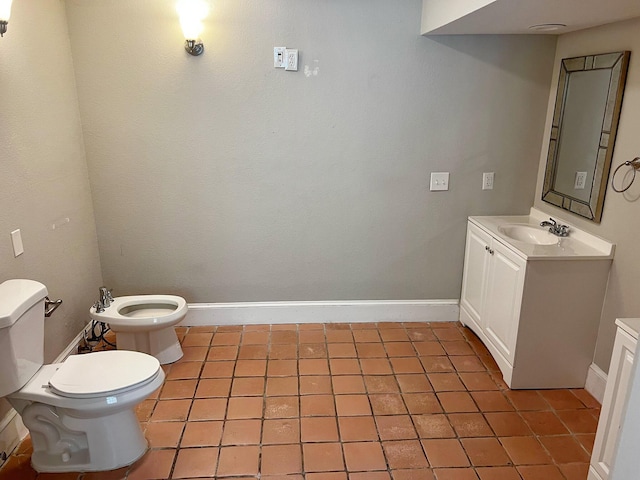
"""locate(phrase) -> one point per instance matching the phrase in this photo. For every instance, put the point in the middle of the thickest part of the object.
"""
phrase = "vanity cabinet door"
(476, 268)
(613, 406)
(501, 312)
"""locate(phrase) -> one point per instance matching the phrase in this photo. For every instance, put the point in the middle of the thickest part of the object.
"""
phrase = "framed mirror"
(583, 132)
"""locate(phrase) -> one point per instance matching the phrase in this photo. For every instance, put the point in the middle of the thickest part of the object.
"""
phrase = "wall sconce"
(191, 13)
(5, 13)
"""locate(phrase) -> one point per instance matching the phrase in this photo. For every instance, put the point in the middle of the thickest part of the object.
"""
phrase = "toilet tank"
(21, 332)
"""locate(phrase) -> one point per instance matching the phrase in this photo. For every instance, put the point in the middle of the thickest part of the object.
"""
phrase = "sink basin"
(528, 234)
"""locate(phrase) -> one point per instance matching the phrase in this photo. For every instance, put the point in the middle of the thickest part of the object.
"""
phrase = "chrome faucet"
(105, 299)
(98, 306)
(556, 228)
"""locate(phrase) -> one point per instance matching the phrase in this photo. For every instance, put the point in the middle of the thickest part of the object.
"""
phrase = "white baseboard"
(252, 313)
(12, 430)
(73, 345)
(596, 382)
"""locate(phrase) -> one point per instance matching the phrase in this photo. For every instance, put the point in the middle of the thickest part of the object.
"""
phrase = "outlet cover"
(581, 180)
(291, 59)
(487, 181)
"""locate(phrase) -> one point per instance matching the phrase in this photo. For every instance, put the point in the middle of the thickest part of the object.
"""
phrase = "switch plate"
(16, 240)
(581, 180)
(487, 181)
(278, 57)
(291, 59)
(439, 181)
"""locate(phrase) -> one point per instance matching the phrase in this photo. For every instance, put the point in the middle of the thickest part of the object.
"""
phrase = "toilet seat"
(101, 374)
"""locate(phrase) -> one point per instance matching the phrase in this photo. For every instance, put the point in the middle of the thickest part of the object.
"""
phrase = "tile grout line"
(589, 410)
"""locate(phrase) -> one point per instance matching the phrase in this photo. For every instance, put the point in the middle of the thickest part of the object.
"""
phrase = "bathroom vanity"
(533, 298)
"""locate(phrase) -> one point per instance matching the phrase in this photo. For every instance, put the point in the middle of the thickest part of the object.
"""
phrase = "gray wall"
(223, 179)
(620, 214)
(43, 173)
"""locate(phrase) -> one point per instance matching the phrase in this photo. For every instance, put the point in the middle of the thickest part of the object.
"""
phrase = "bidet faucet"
(105, 297)
(556, 228)
(98, 306)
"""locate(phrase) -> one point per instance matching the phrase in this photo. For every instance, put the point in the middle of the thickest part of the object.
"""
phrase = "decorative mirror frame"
(618, 62)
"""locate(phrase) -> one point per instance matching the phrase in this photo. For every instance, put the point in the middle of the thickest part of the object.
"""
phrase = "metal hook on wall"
(635, 165)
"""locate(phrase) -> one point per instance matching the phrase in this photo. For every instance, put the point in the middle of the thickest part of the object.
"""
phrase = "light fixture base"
(3, 27)
(194, 47)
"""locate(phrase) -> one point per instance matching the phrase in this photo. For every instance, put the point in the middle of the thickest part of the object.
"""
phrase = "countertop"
(629, 325)
(579, 245)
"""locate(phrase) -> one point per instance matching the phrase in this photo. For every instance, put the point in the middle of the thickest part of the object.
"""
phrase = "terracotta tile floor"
(387, 401)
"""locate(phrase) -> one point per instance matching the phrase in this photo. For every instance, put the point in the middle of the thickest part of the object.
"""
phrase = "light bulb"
(5, 10)
(191, 13)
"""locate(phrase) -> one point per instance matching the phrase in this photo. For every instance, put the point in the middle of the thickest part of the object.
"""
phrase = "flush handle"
(50, 306)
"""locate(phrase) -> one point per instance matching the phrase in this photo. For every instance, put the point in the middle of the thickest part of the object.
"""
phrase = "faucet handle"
(98, 306)
(563, 230)
(110, 295)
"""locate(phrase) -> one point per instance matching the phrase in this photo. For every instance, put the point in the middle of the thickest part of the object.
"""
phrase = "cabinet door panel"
(504, 294)
(475, 271)
(614, 403)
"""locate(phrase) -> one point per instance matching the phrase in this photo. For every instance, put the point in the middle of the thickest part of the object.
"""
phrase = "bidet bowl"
(142, 313)
(528, 234)
(144, 323)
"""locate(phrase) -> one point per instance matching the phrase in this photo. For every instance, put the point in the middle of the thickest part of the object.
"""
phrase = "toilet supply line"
(92, 341)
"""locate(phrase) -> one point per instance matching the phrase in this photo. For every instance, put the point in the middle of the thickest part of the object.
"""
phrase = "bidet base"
(162, 344)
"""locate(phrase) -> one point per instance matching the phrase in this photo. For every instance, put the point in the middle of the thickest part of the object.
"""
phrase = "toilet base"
(162, 344)
(74, 434)
(64, 443)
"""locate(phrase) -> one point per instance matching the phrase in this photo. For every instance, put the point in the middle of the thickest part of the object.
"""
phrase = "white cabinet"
(475, 275)
(503, 299)
(615, 399)
(492, 289)
(536, 308)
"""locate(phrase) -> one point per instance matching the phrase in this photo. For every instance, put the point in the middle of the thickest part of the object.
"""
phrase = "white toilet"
(81, 412)
(144, 323)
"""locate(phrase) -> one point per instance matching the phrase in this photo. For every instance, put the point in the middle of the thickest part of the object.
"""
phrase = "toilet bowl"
(80, 413)
(144, 323)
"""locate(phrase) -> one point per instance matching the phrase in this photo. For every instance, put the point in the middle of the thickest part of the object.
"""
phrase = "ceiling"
(453, 17)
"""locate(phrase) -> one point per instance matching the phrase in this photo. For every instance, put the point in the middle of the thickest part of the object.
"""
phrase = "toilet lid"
(100, 373)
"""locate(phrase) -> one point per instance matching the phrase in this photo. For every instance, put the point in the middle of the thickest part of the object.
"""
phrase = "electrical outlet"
(439, 181)
(291, 59)
(487, 181)
(581, 180)
(278, 56)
